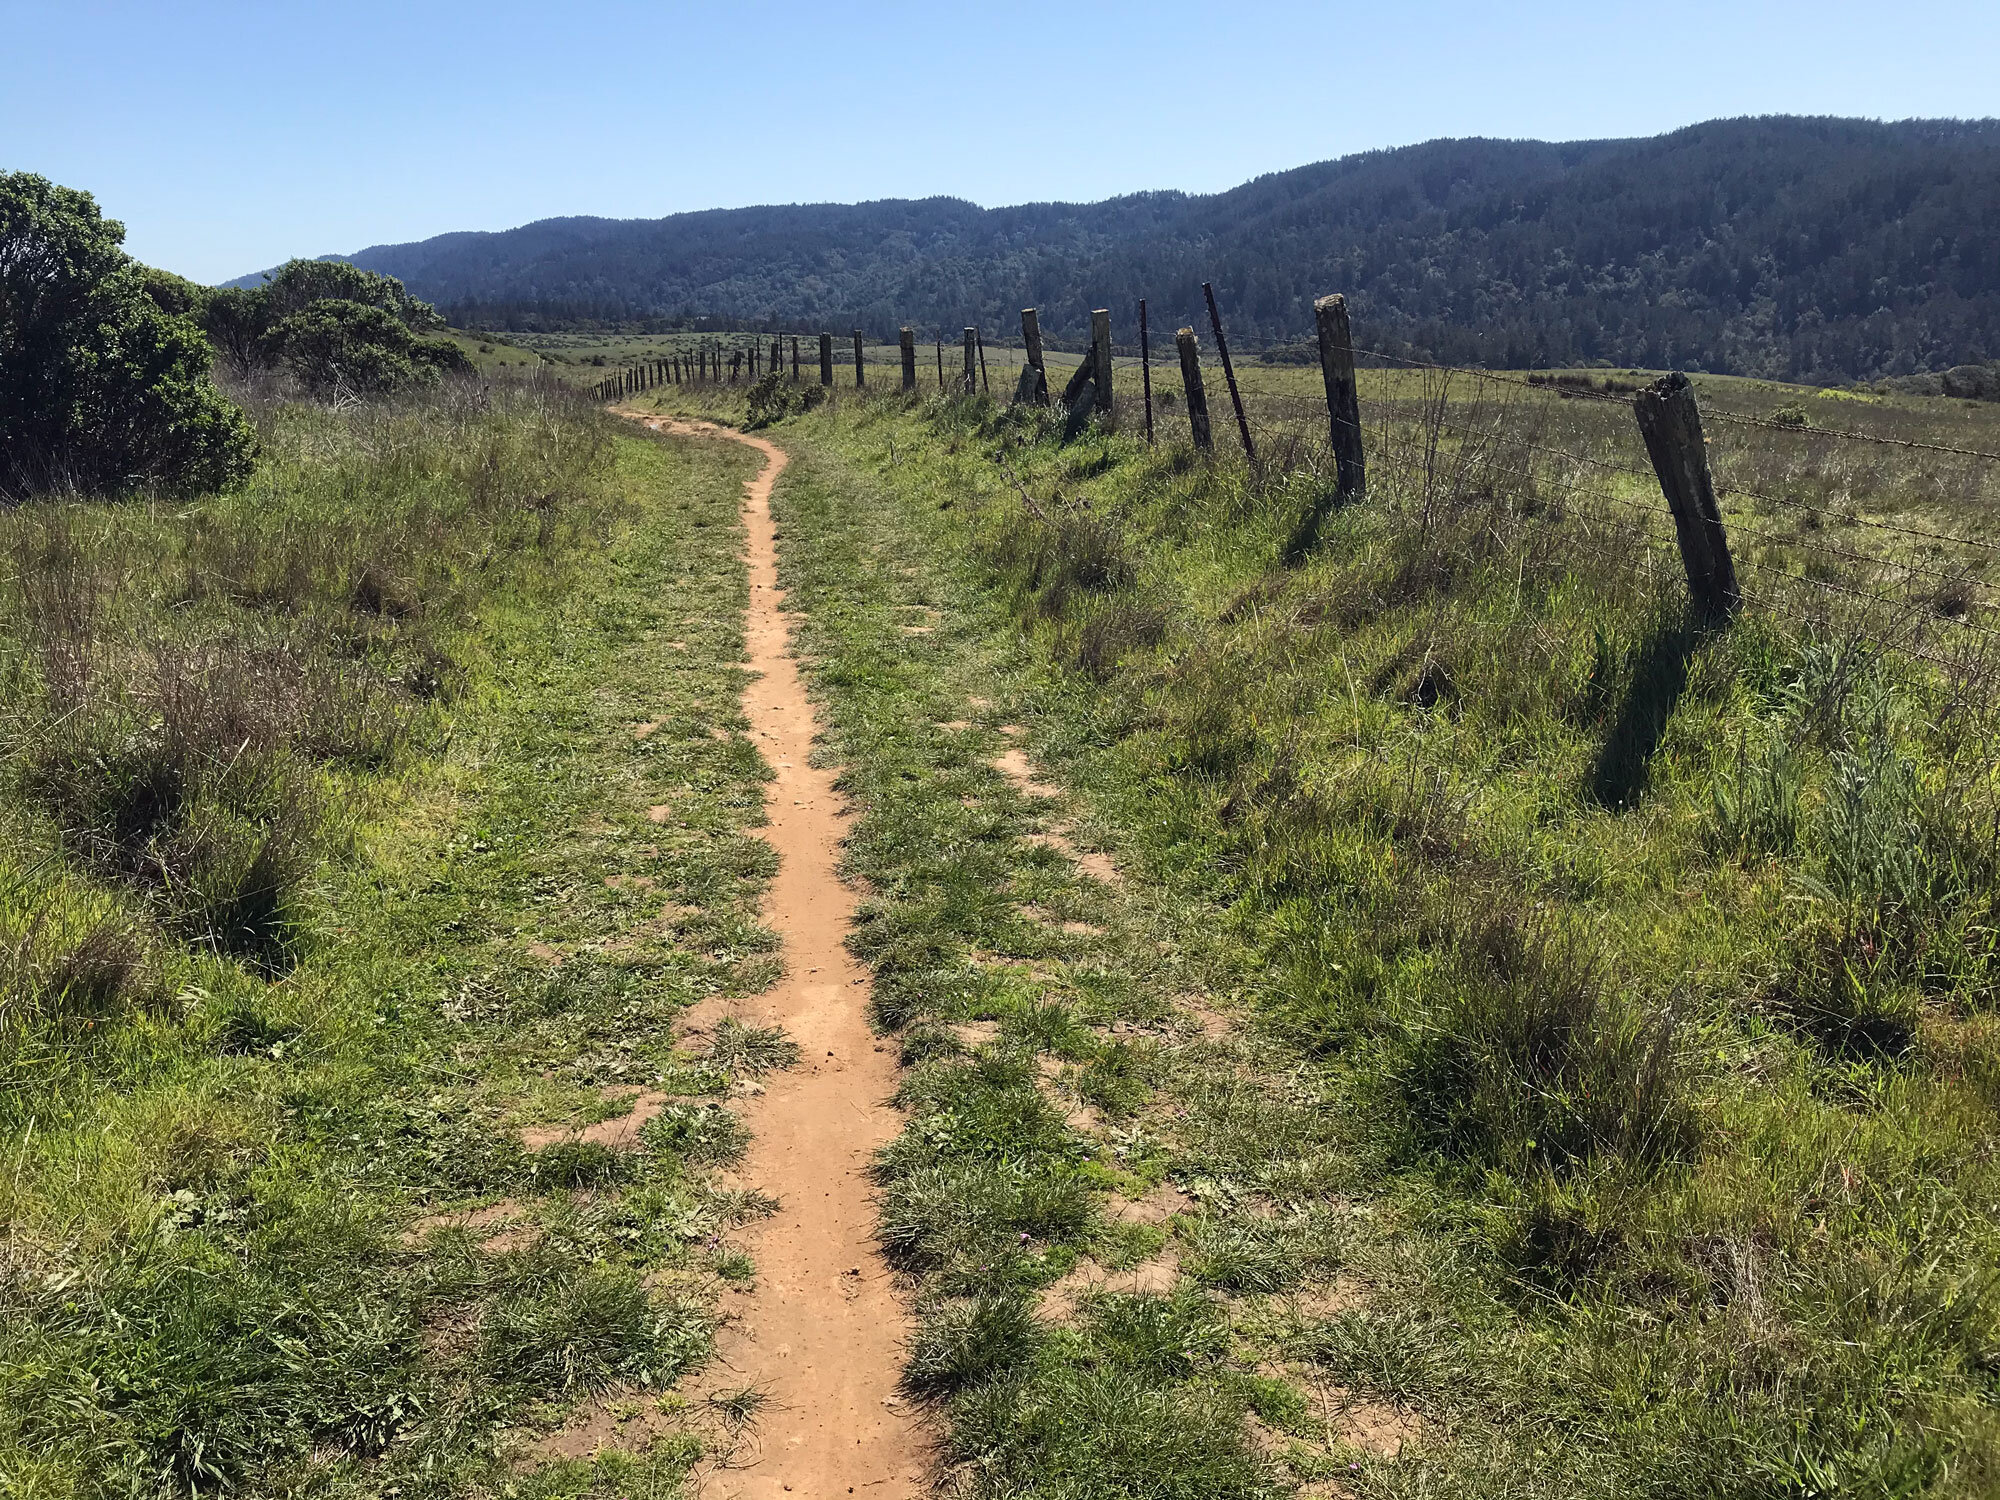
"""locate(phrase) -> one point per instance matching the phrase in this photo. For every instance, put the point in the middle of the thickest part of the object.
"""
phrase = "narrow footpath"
(822, 1334)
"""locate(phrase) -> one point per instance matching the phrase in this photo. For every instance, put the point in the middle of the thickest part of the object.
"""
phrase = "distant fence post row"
(1668, 417)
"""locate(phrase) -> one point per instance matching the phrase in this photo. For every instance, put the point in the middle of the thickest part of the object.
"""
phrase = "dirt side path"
(822, 1334)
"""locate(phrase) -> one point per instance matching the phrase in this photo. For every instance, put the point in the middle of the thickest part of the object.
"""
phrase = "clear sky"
(230, 136)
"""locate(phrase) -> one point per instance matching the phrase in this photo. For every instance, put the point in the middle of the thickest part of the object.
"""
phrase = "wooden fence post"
(1343, 397)
(1146, 368)
(860, 379)
(1670, 421)
(777, 353)
(940, 359)
(826, 359)
(985, 385)
(1100, 353)
(1229, 372)
(795, 358)
(909, 342)
(1031, 337)
(1197, 399)
(971, 382)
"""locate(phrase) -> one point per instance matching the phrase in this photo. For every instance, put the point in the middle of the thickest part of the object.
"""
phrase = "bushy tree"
(297, 284)
(338, 328)
(339, 346)
(103, 385)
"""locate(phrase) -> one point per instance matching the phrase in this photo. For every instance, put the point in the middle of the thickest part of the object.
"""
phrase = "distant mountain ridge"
(1803, 248)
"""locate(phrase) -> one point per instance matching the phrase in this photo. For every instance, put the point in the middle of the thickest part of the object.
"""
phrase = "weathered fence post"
(1229, 372)
(909, 342)
(860, 379)
(1670, 421)
(1146, 368)
(1197, 399)
(777, 353)
(1343, 397)
(971, 381)
(826, 359)
(1031, 338)
(1100, 353)
(940, 357)
(795, 358)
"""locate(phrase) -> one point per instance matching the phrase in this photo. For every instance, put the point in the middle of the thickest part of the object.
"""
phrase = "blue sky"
(230, 136)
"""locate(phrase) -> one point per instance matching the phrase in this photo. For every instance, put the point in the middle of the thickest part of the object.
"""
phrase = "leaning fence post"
(1100, 351)
(971, 362)
(1031, 336)
(860, 379)
(984, 385)
(1197, 399)
(826, 359)
(1146, 368)
(1670, 421)
(940, 359)
(1343, 397)
(1229, 372)
(909, 338)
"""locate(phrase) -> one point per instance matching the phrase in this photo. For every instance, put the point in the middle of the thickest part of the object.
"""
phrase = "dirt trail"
(822, 1334)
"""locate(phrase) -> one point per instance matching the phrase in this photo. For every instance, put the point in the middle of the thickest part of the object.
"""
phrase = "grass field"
(1390, 1003)
(360, 837)
(1524, 1041)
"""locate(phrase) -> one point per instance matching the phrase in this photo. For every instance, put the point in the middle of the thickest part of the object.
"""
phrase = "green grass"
(1569, 1030)
(248, 1102)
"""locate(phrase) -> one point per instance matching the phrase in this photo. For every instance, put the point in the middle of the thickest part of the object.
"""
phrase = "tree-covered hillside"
(1806, 248)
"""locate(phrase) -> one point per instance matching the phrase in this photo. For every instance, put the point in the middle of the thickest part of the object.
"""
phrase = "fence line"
(1509, 430)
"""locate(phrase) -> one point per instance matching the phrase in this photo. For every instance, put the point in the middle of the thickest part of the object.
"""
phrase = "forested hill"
(1808, 248)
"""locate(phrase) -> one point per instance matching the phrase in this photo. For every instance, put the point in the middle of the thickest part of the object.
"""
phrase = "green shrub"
(775, 397)
(102, 390)
(347, 348)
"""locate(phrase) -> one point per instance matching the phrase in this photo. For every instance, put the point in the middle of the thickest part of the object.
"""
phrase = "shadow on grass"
(1657, 678)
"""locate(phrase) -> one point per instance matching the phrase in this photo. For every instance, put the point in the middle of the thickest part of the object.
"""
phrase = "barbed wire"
(1798, 430)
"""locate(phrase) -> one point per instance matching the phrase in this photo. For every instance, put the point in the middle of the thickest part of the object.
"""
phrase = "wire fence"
(1892, 538)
